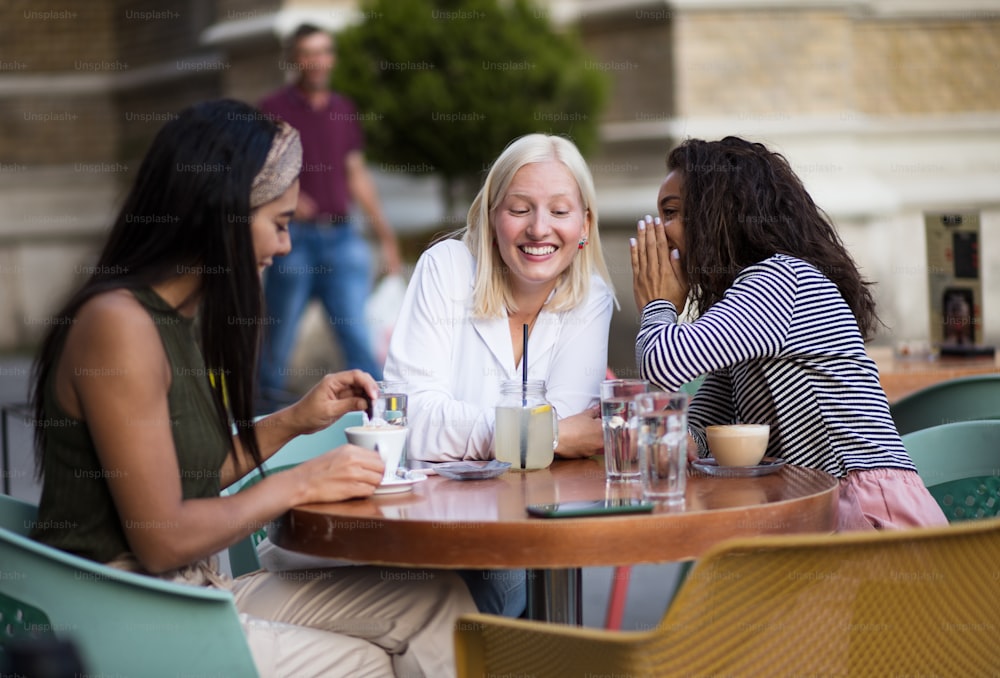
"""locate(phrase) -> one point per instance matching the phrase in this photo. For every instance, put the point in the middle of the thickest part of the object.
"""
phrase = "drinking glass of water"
(661, 429)
(621, 460)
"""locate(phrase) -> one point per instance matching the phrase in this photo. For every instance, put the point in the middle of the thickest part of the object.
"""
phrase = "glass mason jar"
(526, 425)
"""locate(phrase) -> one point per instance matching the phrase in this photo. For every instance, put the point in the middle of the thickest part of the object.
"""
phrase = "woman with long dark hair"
(147, 372)
(782, 316)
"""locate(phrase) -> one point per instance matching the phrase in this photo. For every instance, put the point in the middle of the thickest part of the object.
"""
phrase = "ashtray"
(472, 470)
(710, 466)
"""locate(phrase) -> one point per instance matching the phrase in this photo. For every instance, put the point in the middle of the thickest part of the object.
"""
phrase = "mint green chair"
(692, 386)
(960, 465)
(962, 399)
(121, 623)
(243, 554)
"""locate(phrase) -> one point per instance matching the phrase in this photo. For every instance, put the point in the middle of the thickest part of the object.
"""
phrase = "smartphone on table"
(590, 507)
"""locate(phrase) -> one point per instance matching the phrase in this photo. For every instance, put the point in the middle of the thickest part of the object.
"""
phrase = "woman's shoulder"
(767, 280)
(598, 299)
(449, 247)
(777, 265)
(599, 287)
(599, 292)
(113, 335)
(794, 268)
(782, 275)
(449, 255)
(113, 304)
(115, 316)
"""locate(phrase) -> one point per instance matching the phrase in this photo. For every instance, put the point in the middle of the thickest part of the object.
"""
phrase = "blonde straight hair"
(492, 294)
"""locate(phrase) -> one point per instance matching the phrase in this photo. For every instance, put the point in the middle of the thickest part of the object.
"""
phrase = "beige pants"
(343, 621)
(352, 621)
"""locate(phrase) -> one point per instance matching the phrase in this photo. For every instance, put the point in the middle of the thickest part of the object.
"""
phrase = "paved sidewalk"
(15, 371)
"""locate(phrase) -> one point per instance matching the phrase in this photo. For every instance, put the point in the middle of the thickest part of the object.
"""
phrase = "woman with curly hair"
(782, 318)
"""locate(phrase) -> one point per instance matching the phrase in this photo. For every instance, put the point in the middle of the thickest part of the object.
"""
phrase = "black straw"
(524, 397)
(524, 367)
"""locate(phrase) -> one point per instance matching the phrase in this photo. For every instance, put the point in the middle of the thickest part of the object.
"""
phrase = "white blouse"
(453, 364)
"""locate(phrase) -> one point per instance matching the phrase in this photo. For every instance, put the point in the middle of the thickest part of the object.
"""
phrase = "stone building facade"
(888, 109)
(84, 86)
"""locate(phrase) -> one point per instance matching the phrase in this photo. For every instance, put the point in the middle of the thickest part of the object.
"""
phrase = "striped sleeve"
(782, 347)
(751, 321)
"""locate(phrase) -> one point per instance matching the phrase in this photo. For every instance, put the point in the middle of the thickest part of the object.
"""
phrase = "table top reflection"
(483, 523)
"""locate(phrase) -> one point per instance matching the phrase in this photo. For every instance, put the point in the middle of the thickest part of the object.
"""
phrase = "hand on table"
(656, 273)
(346, 472)
(581, 435)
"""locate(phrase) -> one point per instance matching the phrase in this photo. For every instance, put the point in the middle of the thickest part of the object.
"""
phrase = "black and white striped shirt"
(781, 348)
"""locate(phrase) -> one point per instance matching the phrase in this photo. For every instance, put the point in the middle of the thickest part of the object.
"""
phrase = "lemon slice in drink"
(541, 408)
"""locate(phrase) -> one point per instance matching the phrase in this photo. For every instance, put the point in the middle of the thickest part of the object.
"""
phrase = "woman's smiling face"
(539, 223)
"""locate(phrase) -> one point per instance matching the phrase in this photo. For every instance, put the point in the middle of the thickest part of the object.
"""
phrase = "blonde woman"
(531, 255)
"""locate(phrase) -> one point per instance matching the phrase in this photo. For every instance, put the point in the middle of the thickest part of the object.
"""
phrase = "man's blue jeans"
(334, 265)
(502, 592)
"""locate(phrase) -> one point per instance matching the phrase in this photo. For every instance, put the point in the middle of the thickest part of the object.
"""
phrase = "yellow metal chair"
(853, 604)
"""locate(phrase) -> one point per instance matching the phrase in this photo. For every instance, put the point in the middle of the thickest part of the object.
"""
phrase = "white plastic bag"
(381, 310)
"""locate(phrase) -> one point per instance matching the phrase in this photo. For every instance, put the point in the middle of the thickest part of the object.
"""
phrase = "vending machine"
(955, 283)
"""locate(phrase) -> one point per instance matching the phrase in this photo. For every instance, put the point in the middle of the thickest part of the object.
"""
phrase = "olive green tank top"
(76, 512)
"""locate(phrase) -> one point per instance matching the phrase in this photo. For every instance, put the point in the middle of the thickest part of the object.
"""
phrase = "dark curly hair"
(743, 204)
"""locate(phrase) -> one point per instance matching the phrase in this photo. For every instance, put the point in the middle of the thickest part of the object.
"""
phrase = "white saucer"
(399, 485)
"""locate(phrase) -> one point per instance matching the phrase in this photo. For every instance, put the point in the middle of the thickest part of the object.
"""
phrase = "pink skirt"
(886, 499)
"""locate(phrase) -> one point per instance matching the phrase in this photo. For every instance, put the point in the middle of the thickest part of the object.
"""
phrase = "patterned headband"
(281, 168)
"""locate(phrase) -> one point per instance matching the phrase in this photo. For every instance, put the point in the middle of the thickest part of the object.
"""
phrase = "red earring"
(583, 242)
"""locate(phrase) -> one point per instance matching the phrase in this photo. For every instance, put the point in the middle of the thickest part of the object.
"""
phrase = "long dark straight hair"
(743, 204)
(189, 210)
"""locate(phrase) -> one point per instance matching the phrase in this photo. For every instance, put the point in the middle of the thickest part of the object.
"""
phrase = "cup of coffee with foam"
(738, 444)
(386, 439)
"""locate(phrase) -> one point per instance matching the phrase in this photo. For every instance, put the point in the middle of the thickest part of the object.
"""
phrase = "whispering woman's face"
(670, 207)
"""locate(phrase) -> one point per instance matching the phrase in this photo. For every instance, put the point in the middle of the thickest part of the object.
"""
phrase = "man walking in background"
(330, 258)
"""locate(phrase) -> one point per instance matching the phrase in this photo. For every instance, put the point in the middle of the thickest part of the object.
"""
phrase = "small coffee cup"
(738, 444)
(388, 440)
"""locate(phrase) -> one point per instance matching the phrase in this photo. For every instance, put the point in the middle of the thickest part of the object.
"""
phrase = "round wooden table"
(483, 524)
